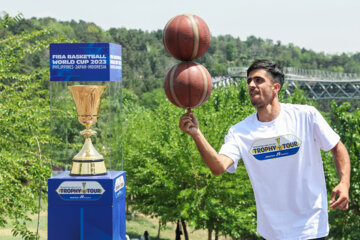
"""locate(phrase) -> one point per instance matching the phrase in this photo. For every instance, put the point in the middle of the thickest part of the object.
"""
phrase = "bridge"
(320, 85)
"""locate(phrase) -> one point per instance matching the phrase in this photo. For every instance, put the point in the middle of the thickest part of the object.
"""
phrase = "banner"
(85, 62)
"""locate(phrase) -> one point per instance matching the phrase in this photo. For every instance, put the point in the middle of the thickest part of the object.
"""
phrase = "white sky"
(330, 26)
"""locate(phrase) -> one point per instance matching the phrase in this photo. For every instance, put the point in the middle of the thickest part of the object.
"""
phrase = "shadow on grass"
(137, 236)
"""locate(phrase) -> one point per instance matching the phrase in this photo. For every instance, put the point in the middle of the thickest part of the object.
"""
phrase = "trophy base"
(96, 212)
(88, 168)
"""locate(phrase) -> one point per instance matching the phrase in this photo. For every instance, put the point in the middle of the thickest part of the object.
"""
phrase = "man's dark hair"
(271, 67)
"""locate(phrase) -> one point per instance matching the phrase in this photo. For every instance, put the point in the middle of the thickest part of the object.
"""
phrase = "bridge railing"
(316, 84)
(299, 73)
(319, 75)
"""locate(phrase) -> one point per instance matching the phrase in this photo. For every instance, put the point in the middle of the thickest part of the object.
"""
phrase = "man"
(280, 147)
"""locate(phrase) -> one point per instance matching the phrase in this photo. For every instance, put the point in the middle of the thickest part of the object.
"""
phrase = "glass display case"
(86, 108)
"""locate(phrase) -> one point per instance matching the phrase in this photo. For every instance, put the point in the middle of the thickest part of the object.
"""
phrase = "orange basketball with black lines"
(188, 85)
(186, 37)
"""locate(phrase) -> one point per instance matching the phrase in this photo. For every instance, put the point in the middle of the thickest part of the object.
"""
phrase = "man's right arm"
(218, 163)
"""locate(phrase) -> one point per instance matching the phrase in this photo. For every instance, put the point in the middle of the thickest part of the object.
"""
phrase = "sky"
(329, 26)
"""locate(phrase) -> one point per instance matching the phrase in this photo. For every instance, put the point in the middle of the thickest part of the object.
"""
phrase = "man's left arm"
(341, 191)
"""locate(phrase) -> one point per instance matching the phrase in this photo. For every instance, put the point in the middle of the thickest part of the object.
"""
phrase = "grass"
(6, 234)
(134, 228)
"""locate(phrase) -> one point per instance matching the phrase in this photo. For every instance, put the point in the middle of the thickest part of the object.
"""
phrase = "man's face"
(262, 89)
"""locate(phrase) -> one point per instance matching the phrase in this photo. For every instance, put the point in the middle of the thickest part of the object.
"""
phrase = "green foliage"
(145, 61)
(152, 99)
(24, 120)
(346, 224)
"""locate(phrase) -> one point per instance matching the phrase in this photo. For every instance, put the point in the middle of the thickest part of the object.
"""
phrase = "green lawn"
(6, 234)
(135, 228)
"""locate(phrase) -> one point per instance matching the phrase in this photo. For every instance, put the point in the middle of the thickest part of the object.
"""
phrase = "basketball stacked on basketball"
(187, 84)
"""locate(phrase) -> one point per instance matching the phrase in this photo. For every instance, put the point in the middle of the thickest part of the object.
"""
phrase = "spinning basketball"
(188, 85)
(186, 37)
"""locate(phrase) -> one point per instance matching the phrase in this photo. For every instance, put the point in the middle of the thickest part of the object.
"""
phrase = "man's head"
(272, 68)
(265, 79)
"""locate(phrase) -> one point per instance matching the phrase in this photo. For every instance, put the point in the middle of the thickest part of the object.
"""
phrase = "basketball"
(188, 85)
(186, 37)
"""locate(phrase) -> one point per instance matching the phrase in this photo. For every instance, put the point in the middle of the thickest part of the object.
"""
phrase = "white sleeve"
(231, 149)
(324, 135)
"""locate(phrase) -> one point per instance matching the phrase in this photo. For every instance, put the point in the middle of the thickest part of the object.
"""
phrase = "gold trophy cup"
(87, 98)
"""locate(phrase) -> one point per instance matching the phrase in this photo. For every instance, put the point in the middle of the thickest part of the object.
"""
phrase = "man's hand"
(217, 163)
(189, 124)
(341, 192)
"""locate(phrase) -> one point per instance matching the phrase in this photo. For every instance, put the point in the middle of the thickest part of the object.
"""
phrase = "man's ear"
(277, 88)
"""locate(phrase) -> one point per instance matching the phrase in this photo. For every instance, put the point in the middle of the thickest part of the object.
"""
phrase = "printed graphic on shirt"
(281, 146)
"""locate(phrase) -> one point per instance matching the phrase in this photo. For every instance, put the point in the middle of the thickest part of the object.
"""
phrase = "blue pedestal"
(87, 208)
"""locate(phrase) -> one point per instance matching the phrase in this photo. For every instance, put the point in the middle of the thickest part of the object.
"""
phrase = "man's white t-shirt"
(283, 161)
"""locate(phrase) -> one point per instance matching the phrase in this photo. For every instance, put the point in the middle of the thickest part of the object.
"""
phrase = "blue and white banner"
(85, 62)
(80, 190)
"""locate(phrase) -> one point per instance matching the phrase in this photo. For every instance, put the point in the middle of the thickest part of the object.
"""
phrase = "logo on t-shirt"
(281, 146)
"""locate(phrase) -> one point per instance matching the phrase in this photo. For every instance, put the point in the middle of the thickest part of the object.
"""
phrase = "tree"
(24, 122)
(230, 51)
(346, 224)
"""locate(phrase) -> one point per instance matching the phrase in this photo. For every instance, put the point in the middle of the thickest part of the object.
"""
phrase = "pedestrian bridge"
(315, 83)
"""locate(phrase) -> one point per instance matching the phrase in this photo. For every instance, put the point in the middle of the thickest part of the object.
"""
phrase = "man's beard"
(261, 103)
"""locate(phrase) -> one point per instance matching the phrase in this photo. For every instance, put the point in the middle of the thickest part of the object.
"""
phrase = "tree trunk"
(185, 230)
(132, 216)
(158, 236)
(216, 235)
(209, 233)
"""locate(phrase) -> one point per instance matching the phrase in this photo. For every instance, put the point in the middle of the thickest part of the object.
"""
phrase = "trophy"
(87, 98)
